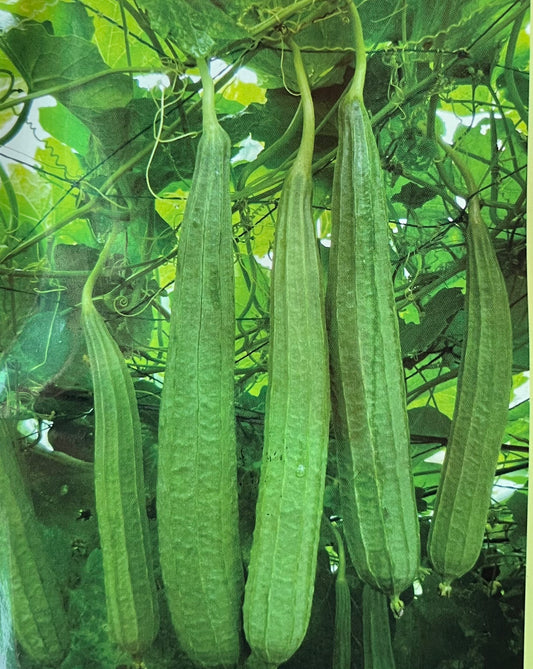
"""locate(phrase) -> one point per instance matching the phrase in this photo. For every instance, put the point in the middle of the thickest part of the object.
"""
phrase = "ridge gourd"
(377, 642)
(342, 640)
(39, 617)
(130, 592)
(197, 510)
(481, 406)
(281, 574)
(368, 394)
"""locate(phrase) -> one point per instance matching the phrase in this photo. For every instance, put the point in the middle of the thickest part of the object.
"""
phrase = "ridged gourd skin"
(37, 607)
(130, 592)
(480, 413)
(342, 641)
(197, 508)
(368, 393)
(342, 649)
(281, 573)
(377, 642)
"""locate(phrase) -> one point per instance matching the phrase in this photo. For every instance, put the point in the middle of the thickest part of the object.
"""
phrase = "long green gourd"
(37, 607)
(368, 395)
(481, 407)
(131, 598)
(197, 473)
(7, 638)
(281, 575)
(377, 642)
(342, 641)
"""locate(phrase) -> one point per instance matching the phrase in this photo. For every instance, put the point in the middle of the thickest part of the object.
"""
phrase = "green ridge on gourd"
(131, 598)
(197, 511)
(368, 394)
(281, 574)
(377, 642)
(37, 607)
(481, 408)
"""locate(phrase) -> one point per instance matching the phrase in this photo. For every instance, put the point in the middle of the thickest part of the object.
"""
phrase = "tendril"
(158, 129)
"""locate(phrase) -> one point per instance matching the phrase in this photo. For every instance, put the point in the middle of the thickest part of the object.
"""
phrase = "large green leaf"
(38, 354)
(71, 18)
(46, 61)
(63, 125)
(324, 66)
(437, 314)
(198, 27)
(459, 24)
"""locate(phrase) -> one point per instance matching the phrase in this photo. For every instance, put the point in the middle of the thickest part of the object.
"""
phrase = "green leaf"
(275, 69)
(266, 123)
(199, 28)
(71, 18)
(413, 196)
(517, 503)
(65, 127)
(33, 201)
(111, 38)
(46, 61)
(428, 422)
(39, 353)
(459, 20)
(437, 315)
(517, 430)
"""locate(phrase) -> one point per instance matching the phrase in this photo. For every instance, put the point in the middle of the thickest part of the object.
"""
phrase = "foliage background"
(87, 137)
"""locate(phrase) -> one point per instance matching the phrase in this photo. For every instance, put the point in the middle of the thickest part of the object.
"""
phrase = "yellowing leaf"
(59, 159)
(171, 210)
(460, 99)
(167, 273)
(110, 39)
(263, 238)
(244, 93)
(39, 10)
(443, 396)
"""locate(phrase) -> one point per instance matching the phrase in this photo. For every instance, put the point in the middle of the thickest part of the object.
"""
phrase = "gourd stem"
(305, 152)
(254, 662)
(209, 115)
(272, 150)
(514, 95)
(87, 293)
(472, 190)
(341, 569)
(355, 91)
(432, 135)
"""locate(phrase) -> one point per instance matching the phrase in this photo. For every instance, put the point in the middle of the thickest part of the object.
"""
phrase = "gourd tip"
(397, 606)
(445, 588)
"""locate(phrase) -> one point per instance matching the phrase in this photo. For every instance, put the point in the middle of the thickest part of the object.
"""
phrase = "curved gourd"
(131, 598)
(480, 413)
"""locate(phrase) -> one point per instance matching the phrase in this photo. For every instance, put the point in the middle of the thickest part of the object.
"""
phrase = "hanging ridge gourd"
(377, 642)
(37, 607)
(197, 511)
(368, 394)
(281, 574)
(130, 592)
(481, 406)
(342, 641)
